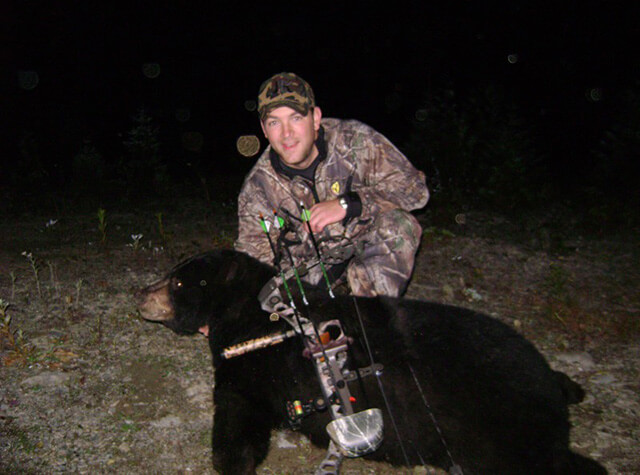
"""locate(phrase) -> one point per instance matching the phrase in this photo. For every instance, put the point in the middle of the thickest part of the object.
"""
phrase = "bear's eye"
(179, 284)
(203, 283)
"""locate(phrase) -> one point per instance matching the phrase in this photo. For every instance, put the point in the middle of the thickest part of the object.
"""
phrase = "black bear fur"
(499, 405)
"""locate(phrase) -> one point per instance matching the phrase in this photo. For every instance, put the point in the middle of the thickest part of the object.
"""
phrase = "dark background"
(570, 83)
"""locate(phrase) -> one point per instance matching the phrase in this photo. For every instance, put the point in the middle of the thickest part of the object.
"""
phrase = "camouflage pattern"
(386, 236)
(285, 89)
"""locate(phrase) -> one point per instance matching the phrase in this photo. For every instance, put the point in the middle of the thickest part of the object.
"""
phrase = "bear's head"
(195, 291)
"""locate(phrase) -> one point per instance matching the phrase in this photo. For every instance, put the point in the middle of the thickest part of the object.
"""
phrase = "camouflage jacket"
(358, 159)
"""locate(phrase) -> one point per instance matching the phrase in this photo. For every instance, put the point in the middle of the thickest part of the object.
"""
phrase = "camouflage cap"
(285, 89)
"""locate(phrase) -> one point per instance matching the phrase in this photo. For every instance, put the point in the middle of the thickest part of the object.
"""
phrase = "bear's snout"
(154, 302)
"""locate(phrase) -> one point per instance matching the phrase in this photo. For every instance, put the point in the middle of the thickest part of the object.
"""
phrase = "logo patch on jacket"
(335, 188)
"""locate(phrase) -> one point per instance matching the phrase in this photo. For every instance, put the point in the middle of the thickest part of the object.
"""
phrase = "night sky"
(195, 67)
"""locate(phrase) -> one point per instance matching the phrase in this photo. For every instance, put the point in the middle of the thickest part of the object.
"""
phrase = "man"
(357, 187)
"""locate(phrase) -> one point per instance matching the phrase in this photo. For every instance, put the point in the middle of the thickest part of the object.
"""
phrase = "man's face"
(292, 135)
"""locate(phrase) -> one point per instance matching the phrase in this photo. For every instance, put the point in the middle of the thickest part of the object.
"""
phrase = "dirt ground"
(89, 387)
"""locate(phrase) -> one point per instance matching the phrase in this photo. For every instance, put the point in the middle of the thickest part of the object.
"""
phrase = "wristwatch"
(343, 202)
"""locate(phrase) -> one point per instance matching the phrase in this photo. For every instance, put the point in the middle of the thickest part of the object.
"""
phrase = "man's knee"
(400, 229)
(385, 263)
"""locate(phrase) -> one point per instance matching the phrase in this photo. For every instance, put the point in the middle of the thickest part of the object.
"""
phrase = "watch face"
(343, 202)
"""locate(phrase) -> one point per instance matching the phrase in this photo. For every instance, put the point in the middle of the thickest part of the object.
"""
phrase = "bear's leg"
(241, 434)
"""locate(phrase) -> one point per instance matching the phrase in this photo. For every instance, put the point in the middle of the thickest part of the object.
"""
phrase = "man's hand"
(325, 213)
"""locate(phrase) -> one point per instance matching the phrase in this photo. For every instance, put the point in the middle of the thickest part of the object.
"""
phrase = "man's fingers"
(324, 214)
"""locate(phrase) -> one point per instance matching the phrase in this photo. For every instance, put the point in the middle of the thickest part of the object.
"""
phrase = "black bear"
(457, 389)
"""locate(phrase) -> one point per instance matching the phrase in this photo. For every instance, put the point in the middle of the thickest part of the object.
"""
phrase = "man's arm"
(383, 179)
(388, 180)
(251, 239)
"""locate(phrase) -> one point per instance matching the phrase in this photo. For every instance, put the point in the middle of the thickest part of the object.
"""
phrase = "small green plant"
(54, 282)
(36, 269)
(137, 242)
(3, 308)
(19, 350)
(129, 426)
(102, 225)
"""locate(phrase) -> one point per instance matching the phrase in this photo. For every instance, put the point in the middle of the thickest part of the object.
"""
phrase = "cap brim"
(296, 106)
